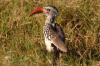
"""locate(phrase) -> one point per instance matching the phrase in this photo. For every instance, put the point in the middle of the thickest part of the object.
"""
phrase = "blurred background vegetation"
(21, 36)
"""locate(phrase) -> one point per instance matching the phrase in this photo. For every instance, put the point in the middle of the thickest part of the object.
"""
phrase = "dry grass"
(21, 38)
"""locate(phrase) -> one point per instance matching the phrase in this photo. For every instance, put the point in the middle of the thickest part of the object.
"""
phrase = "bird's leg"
(55, 55)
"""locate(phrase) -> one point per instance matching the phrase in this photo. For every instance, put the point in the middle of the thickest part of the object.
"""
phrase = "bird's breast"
(47, 36)
(48, 45)
(46, 31)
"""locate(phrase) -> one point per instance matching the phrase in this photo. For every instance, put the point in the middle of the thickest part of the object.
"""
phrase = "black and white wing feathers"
(57, 37)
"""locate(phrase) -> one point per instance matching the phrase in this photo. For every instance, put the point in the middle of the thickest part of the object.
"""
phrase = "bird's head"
(48, 11)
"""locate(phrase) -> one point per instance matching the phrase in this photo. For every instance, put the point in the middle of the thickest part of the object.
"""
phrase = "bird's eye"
(48, 9)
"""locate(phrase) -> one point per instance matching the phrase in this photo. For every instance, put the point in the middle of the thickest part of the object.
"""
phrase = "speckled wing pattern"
(55, 34)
